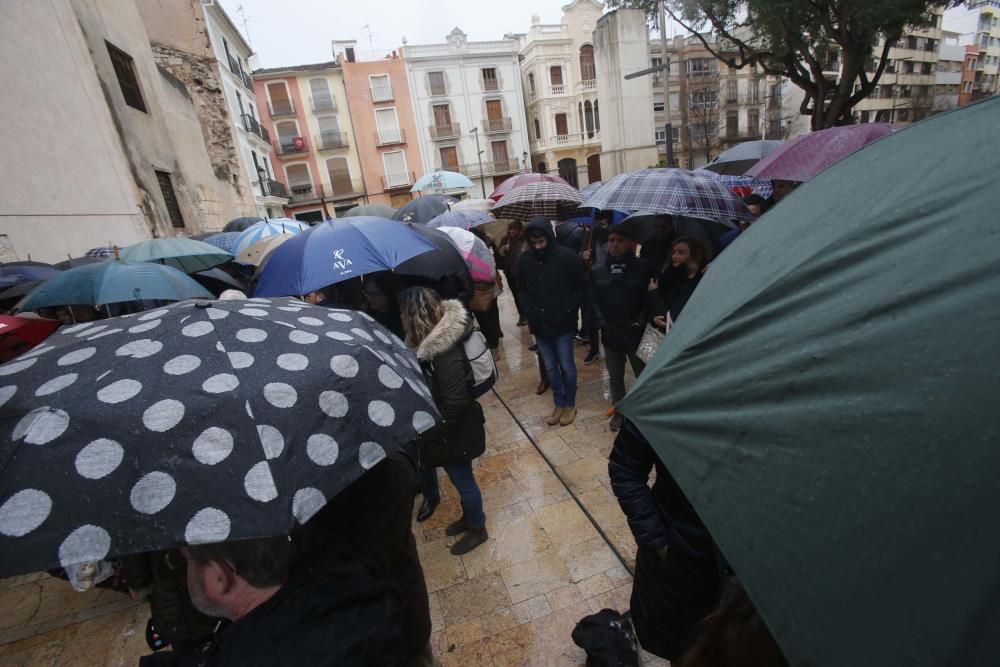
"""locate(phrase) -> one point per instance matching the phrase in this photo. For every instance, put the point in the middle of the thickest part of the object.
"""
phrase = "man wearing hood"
(553, 286)
(619, 290)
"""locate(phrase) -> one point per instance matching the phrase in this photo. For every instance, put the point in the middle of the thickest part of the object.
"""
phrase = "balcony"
(279, 108)
(247, 82)
(271, 188)
(495, 168)
(382, 94)
(557, 89)
(251, 125)
(532, 94)
(234, 65)
(562, 139)
(586, 86)
(306, 193)
(390, 137)
(449, 131)
(292, 146)
(328, 141)
(496, 125)
(322, 103)
(398, 181)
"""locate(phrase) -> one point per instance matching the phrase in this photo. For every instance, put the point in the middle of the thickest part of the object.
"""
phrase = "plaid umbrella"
(741, 185)
(518, 180)
(803, 157)
(224, 240)
(671, 192)
(106, 251)
(551, 200)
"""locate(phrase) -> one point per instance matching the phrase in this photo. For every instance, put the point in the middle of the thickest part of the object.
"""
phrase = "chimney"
(350, 54)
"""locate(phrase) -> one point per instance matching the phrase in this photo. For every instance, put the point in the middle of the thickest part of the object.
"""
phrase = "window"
(381, 88)
(490, 79)
(704, 99)
(656, 61)
(562, 125)
(299, 181)
(288, 132)
(280, 104)
(501, 158)
(531, 84)
(127, 81)
(329, 132)
(436, 81)
(321, 98)
(449, 158)
(732, 124)
(388, 126)
(340, 176)
(555, 75)
(588, 114)
(396, 173)
(732, 91)
(442, 116)
(701, 66)
(538, 129)
(753, 92)
(753, 122)
(587, 71)
(660, 137)
(658, 102)
(170, 199)
(597, 118)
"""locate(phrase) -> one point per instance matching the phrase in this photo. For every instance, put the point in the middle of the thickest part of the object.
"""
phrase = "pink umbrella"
(524, 179)
(477, 255)
(803, 157)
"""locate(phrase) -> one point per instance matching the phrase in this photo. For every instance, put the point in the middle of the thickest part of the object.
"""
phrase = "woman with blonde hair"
(437, 330)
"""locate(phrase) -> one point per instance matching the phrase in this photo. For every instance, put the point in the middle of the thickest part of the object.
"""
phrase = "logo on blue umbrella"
(340, 262)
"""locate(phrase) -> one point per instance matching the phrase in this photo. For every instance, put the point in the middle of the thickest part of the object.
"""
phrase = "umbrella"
(217, 281)
(114, 281)
(200, 422)
(441, 180)
(201, 236)
(423, 209)
(371, 210)
(473, 205)
(16, 273)
(264, 229)
(184, 254)
(827, 403)
(641, 227)
(333, 251)
(461, 219)
(443, 261)
(73, 262)
(254, 255)
(32, 330)
(803, 157)
(19, 290)
(590, 189)
(241, 224)
(551, 200)
(671, 192)
(736, 160)
(741, 185)
(524, 179)
(104, 251)
(477, 255)
(224, 241)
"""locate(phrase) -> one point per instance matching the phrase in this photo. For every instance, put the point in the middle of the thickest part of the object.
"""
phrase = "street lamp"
(479, 153)
(895, 88)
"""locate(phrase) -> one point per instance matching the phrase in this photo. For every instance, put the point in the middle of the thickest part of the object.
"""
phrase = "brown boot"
(568, 415)
(543, 386)
(554, 418)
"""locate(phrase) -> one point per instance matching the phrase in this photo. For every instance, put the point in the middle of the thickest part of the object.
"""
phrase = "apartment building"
(977, 23)
(305, 110)
(949, 73)
(386, 134)
(198, 43)
(559, 80)
(468, 108)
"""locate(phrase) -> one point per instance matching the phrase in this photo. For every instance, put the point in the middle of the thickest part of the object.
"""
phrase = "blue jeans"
(560, 366)
(464, 481)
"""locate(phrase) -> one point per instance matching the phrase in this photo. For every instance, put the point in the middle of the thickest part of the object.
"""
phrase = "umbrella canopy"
(18, 291)
(217, 281)
(254, 255)
(371, 210)
(673, 192)
(333, 251)
(524, 179)
(262, 230)
(16, 273)
(224, 241)
(73, 262)
(103, 252)
(477, 255)
(444, 260)
(473, 205)
(827, 403)
(187, 255)
(196, 423)
(461, 219)
(32, 330)
(551, 200)
(424, 209)
(804, 157)
(741, 185)
(590, 189)
(241, 224)
(441, 180)
(115, 281)
(736, 160)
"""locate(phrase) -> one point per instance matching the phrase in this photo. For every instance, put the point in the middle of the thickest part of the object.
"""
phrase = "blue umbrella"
(334, 251)
(463, 219)
(15, 273)
(241, 224)
(223, 240)
(760, 186)
(115, 281)
(262, 230)
(441, 180)
(424, 209)
(187, 255)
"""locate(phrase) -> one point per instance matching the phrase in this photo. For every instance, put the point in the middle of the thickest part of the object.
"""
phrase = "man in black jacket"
(553, 285)
(619, 292)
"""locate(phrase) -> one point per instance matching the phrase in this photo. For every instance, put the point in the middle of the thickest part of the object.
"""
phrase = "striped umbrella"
(262, 230)
(473, 205)
(551, 200)
(104, 251)
(523, 179)
(223, 240)
(671, 192)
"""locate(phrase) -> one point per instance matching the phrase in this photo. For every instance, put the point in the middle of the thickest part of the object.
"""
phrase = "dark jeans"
(464, 481)
(560, 366)
(489, 324)
(614, 361)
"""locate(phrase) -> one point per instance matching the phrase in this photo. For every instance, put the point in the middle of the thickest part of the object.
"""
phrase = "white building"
(948, 74)
(468, 107)
(977, 22)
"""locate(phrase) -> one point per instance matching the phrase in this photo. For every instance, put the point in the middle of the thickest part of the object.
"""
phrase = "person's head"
(689, 252)
(619, 243)
(377, 299)
(324, 295)
(420, 310)
(756, 204)
(230, 579)
(782, 189)
(603, 219)
(515, 229)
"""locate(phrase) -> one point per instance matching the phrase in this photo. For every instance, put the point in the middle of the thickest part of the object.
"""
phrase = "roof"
(314, 67)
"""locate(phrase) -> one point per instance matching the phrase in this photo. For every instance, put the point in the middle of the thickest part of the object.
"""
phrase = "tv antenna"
(246, 30)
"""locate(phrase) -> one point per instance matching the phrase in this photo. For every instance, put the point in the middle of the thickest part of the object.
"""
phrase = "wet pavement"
(559, 546)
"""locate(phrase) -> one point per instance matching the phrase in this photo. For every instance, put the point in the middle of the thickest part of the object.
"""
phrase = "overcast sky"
(295, 32)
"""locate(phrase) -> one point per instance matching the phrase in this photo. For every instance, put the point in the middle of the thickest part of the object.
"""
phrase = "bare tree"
(703, 112)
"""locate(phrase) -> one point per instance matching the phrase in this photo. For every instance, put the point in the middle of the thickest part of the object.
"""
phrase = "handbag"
(652, 338)
(483, 296)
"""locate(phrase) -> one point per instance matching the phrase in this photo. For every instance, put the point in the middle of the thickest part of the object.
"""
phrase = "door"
(567, 171)
(442, 115)
(593, 168)
(340, 176)
(329, 132)
(321, 98)
(501, 159)
(299, 182)
(494, 115)
(562, 125)
(278, 94)
(449, 158)
(388, 126)
(288, 131)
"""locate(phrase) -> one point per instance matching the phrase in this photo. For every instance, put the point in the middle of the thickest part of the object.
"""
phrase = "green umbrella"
(188, 255)
(827, 401)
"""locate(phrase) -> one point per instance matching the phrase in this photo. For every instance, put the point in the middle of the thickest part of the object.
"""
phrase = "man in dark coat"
(619, 289)
(553, 286)
(677, 579)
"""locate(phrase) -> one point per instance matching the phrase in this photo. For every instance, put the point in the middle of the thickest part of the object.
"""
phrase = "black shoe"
(591, 357)
(427, 508)
(543, 387)
(472, 539)
(581, 339)
(456, 528)
(533, 347)
(616, 422)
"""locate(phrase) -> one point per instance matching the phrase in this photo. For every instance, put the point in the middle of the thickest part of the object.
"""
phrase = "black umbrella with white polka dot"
(200, 422)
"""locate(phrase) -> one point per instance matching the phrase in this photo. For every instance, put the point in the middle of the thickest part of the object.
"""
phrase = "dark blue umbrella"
(224, 240)
(424, 209)
(334, 251)
(241, 224)
(15, 273)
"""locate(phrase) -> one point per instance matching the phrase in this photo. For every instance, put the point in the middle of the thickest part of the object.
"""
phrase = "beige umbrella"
(473, 205)
(255, 254)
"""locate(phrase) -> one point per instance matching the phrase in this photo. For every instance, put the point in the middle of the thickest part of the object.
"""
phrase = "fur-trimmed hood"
(454, 326)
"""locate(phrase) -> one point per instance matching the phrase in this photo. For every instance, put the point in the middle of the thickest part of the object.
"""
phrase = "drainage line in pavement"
(555, 471)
